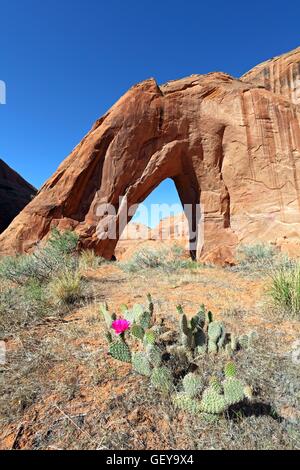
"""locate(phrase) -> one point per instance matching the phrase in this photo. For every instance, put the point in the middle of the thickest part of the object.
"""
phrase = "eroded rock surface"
(230, 145)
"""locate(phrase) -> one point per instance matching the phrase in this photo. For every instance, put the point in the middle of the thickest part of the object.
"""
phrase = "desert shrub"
(166, 259)
(63, 243)
(88, 259)
(259, 259)
(66, 288)
(17, 269)
(21, 306)
(57, 254)
(285, 289)
(257, 253)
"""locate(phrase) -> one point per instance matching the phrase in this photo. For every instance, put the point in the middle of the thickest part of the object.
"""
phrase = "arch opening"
(170, 212)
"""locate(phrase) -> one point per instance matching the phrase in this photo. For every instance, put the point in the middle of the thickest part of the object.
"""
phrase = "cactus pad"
(233, 390)
(162, 379)
(230, 370)
(149, 337)
(214, 331)
(212, 402)
(186, 403)
(120, 351)
(106, 315)
(154, 355)
(215, 384)
(145, 320)
(141, 364)
(137, 331)
(192, 384)
(133, 314)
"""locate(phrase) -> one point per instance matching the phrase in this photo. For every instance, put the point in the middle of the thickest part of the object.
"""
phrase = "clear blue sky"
(65, 62)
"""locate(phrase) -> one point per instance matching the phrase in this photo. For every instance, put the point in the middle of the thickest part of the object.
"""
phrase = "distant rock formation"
(231, 145)
(15, 194)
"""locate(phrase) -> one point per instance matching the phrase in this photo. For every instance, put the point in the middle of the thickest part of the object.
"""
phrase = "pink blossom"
(120, 325)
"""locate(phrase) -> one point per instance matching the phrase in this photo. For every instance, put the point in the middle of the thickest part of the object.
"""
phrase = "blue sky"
(65, 62)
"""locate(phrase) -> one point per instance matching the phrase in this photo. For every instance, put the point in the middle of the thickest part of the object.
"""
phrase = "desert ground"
(63, 390)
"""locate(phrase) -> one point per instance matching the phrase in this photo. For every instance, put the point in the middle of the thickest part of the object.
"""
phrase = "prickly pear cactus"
(233, 343)
(162, 379)
(230, 370)
(133, 314)
(212, 401)
(233, 390)
(214, 333)
(108, 317)
(137, 331)
(108, 337)
(215, 384)
(202, 316)
(145, 320)
(149, 337)
(200, 340)
(192, 384)
(186, 332)
(120, 351)
(154, 355)
(141, 364)
(186, 403)
(150, 304)
(221, 340)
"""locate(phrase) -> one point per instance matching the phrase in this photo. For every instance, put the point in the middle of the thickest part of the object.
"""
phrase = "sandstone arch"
(230, 145)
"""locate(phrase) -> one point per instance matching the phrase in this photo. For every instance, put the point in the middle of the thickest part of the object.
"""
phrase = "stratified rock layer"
(228, 144)
(281, 75)
(15, 194)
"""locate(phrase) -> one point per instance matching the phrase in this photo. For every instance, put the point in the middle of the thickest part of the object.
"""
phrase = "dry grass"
(67, 288)
(63, 392)
(285, 290)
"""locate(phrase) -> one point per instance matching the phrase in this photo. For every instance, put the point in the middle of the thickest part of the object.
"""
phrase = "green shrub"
(258, 253)
(285, 289)
(259, 259)
(57, 254)
(166, 259)
(21, 306)
(63, 243)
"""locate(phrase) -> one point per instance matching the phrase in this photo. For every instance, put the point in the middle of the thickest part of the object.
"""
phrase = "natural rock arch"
(229, 145)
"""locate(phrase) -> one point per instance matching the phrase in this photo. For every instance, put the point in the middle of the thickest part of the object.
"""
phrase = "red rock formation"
(15, 194)
(281, 75)
(229, 145)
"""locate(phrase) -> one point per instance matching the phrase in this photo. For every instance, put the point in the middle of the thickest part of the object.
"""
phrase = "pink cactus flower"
(120, 325)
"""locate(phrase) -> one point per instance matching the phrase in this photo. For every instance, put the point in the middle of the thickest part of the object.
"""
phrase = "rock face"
(229, 145)
(15, 194)
(281, 75)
